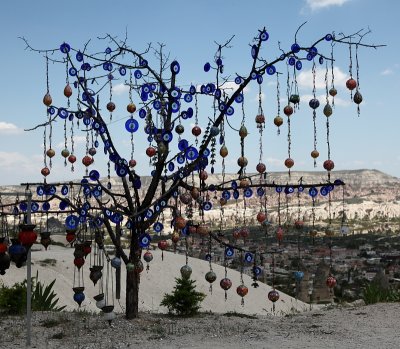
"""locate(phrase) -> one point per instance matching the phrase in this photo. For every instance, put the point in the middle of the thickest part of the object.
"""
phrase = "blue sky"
(189, 30)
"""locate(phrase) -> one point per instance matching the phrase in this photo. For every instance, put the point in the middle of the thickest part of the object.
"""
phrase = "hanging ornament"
(186, 272)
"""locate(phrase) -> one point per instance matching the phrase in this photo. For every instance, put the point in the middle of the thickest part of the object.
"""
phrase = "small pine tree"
(184, 299)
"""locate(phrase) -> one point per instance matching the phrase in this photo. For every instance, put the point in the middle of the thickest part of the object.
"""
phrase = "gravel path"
(374, 326)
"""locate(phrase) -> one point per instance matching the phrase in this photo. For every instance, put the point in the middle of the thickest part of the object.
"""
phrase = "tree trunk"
(132, 294)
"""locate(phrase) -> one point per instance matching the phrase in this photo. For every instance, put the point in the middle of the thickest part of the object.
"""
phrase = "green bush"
(374, 293)
(184, 299)
(13, 299)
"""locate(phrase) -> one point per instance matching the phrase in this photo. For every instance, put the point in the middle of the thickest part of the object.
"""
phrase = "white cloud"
(274, 162)
(8, 128)
(230, 86)
(305, 78)
(77, 140)
(321, 4)
(14, 161)
(387, 72)
(120, 89)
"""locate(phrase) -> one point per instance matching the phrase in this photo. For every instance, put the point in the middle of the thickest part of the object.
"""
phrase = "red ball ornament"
(110, 106)
(273, 295)
(162, 245)
(278, 121)
(225, 284)
(47, 100)
(196, 131)
(3, 247)
(261, 167)
(242, 290)
(289, 163)
(314, 154)
(45, 171)
(223, 151)
(150, 151)
(260, 119)
(244, 232)
(27, 236)
(351, 84)
(298, 224)
(330, 282)
(261, 216)
(50, 153)
(203, 175)
(288, 110)
(67, 91)
(148, 256)
(79, 262)
(175, 238)
(329, 165)
(203, 230)
(132, 163)
(180, 222)
(70, 237)
(279, 234)
(72, 158)
(131, 108)
(236, 234)
(87, 160)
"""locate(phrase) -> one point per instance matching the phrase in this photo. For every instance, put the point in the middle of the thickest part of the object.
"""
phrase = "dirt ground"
(374, 326)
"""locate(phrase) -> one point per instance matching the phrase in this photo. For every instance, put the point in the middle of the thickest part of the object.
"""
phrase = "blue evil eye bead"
(328, 37)
(230, 111)
(260, 191)
(254, 51)
(192, 90)
(65, 48)
(82, 219)
(219, 62)
(109, 185)
(71, 117)
(207, 67)
(253, 75)
(83, 212)
(313, 192)
(63, 205)
(295, 47)
(248, 193)
(289, 190)
(175, 67)
(131, 125)
(72, 71)
(238, 80)
(96, 143)
(144, 240)
(314, 51)
(314, 103)
(299, 65)
(158, 227)
(226, 194)
(96, 193)
(171, 166)
(175, 107)
(188, 97)
(234, 185)
(129, 224)
(191, 153)
(260, 79)
(71, 222)
(46, 206)
(79, 56)
(208, 257)
(183, 144)
(23, 206)
(40, 190)
(143, 62)
(203, 89)
(278, 189)
(300, 189)
(248, 257)
(94, 175)
(257, 270)
(86, 66)
(321, 60)
(122, 71)
(87, 121)
(239, 98)
(229, 252)
(142, 113)
(149, 213)
(236, 194)
(15, 210)
(217, 93)
(324, 191)
(291, 61)
(137, 74)
(167, 137)
(330, 187)
(207, 206)
(309, 57)
(176, 93)
(121, 171)
(264, 36)
(52, 190)
(107, 51)
(116, 218)
(221, 106)
(206, 152)
(180, 159)
(64, 190)
(189, 112)
(34, 206)
(271, 70)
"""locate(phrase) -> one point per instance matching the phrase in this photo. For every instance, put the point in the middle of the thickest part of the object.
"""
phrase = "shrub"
(184, 299)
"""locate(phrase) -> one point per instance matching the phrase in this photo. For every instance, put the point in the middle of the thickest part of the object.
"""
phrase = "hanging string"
(350, 66)
(314, 112)
(332, 89)
(357, 94)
